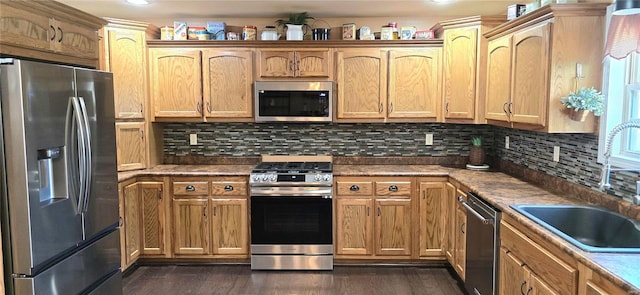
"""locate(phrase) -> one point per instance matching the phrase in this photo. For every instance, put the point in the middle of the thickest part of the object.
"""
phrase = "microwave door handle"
(88, 155)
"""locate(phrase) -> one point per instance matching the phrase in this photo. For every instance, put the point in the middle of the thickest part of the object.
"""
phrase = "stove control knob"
(273, 178)
(264, 177)
(327, 177)
(318, 177)
(254, 178)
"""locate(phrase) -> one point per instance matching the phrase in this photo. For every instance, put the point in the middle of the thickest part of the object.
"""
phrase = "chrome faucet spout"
(606, 167)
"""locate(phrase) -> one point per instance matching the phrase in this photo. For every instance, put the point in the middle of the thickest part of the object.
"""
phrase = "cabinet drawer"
(190, 188)
(393, 188)
(541, 261)
(229, 187)
(354, 188)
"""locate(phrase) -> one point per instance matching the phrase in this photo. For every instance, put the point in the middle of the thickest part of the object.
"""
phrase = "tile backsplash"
(578, 152)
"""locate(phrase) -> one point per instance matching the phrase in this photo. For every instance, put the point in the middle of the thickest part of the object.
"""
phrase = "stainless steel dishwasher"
(483, 246)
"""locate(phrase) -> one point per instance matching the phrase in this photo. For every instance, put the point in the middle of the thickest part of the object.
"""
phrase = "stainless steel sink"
(593, 229)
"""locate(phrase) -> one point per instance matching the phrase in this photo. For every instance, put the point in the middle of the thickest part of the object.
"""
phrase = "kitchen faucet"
(606, 167)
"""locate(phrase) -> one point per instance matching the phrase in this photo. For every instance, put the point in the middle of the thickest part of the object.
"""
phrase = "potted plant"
(579, 103)
(295, 24)
(476, 153)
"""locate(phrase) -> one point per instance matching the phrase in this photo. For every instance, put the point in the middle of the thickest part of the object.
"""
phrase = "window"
(622, 89)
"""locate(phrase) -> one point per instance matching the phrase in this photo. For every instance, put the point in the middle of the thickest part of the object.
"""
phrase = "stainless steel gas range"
(291, 215)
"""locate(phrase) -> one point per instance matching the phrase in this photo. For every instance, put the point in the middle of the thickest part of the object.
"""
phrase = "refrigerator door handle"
(75, 136)
(88, 155)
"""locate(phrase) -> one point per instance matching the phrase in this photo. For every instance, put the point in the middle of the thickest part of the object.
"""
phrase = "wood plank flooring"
(239, 279)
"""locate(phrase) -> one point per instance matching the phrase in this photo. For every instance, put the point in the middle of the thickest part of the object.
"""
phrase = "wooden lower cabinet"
(450, 225)
(530, 268)
(433, 216)
(591, 283)
(374, 218)
(460, 235)
(130, 221)
(190, 226)
(154, 217)
(210, 217)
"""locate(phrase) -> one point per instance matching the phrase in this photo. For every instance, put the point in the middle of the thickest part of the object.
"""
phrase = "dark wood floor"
(239, 279)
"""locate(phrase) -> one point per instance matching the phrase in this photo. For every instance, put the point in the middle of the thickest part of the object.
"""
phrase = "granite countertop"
(497, 188)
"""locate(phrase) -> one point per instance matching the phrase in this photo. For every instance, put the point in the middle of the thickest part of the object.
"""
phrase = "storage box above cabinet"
(532, 64)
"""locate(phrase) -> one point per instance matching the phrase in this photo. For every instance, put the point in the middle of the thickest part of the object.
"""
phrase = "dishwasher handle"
(470, 209)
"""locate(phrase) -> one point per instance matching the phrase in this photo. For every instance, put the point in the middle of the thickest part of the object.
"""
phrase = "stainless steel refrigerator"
(59, 181)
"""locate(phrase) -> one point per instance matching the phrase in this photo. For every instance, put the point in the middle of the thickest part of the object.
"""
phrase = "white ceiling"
(197, 9)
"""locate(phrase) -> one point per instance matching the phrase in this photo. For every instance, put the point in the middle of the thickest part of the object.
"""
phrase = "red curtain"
(624, 36)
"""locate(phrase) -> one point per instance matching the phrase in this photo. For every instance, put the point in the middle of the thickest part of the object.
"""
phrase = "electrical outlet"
(506, 142)
(428, 139)
(193, 139)
(556, 153)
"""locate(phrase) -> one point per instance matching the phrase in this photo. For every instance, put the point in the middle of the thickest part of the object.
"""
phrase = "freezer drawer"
(77, 272)
(112, 286)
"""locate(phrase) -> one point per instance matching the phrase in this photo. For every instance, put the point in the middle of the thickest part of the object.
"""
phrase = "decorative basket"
(476, 155)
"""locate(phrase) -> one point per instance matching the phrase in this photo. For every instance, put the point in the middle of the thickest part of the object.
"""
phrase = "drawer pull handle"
(522, 286)
(462, 228)
(228, 188)
(354, 188)
(190, 188)
(393, 188)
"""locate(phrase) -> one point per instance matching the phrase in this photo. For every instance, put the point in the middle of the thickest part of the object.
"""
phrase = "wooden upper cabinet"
(176, 86)
(459, 74)
(49, 30)
(532, 65)
(499, 79)
(130, 146)
(294, 63)
(414, 83)
(361, 83)
(126, 59)
(227, 83)
(530, 81)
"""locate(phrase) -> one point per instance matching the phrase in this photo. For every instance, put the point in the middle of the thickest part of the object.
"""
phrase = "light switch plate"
(428, 139)
(556, 153)
(193, 139)
(506, 142)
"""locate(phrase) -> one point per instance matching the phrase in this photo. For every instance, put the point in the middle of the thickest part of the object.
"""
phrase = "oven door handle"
(272, 192)
(482, 218)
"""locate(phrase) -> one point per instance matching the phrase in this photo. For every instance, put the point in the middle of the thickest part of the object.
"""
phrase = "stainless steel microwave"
(293, 101)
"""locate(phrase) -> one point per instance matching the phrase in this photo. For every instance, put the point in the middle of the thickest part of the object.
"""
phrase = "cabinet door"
(513, 279)
(76, 40)
(461, 238)
(530, 93)
(131, 222)
(276, 63)
(450, 222)
(539, 287)
(23, 28)
(312, 62)
(229, 234)
(459, 74)
(432, 219)
(414, 83)
(393, 227)
(176, 87)
(191, 226)
(354, 226)
(361, 83)
(227, 80)
(153, 218)
(131, 147)
(498, 79)
(126, 60)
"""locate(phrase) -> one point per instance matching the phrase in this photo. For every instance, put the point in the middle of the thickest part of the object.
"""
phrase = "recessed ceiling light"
(138, 2)
(438, 1)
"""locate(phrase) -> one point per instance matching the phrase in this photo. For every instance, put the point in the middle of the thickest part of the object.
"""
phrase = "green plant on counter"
(587, 99)
(476, 141)
(295, 19)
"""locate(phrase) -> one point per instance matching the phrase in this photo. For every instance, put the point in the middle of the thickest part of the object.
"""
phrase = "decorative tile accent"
(578, 152)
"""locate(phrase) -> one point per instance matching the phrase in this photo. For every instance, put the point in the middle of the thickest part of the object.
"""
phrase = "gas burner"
(297, 167)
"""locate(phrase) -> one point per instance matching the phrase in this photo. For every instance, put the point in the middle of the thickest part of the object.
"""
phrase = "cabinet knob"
(354, 188)
(228, 188)
(190, 188)
(393, 188)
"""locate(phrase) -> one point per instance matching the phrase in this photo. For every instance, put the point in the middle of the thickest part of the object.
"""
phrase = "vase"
(579, 115)
(294, 32)
(476, 155)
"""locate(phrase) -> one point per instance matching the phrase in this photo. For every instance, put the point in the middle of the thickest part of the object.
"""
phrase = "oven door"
(291, 220)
